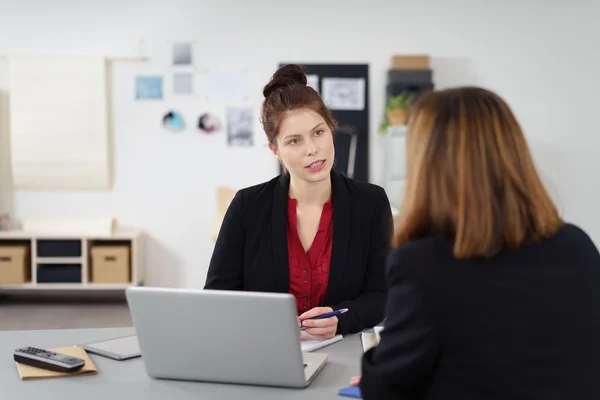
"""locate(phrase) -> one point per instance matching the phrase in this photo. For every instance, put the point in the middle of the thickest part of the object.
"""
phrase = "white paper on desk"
(309, 343)
(225, 84)
(371, 339)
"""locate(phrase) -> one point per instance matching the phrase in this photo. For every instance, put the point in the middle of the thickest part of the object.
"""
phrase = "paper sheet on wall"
(313, 82)
(59, 131)
(240, 126)
(344, 93)
(225, 85)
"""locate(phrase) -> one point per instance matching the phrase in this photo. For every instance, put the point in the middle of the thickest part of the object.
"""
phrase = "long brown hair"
(470, 176)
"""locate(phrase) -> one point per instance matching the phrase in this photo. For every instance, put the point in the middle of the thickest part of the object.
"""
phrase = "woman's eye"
(319, 132)
(293, 141)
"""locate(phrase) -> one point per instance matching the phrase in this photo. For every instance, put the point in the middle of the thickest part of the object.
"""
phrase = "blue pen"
(327, 315)
(334, 313)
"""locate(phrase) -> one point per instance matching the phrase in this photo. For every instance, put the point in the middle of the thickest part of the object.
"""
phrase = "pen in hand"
(334, 313)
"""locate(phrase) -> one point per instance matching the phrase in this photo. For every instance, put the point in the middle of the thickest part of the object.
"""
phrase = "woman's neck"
(310, 193)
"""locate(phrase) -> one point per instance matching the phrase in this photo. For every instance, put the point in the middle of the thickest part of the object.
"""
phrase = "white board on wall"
(59, 122)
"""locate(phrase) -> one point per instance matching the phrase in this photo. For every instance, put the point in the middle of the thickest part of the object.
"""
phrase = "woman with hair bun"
(310, 231)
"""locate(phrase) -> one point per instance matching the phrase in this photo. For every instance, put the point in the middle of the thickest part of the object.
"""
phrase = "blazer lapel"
(281, 273)
(341, 235)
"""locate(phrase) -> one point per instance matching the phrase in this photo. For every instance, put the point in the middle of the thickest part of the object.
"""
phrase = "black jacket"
(251, 249)
(524, 324)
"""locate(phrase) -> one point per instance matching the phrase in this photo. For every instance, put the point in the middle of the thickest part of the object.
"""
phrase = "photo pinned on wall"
(149, 88)
(226, 84)
(173, 121)
(313, 82)
(240, 127)
(183, 83)
(344, 93)
(182, 53)
(209, 123)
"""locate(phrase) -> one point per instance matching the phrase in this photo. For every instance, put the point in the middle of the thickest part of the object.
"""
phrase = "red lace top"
(309, 272)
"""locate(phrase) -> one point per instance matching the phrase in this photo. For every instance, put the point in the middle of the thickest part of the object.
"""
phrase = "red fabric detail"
(309, 272)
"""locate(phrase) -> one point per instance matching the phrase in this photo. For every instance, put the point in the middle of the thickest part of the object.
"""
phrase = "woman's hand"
(355, 381)
(320, 328)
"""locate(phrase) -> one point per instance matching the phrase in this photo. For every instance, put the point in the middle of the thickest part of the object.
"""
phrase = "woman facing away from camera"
(491, 295)
(310, 232)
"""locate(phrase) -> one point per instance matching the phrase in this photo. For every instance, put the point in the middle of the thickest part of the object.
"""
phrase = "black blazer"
(251, 249)
(524, 324)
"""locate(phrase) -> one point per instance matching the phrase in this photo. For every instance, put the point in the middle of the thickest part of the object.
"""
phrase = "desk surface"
(128, 379)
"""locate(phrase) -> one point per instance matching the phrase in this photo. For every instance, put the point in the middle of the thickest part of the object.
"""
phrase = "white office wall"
(543, 58)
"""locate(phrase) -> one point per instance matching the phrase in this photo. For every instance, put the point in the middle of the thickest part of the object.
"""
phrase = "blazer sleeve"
(402, 364)
(367, 310)
(226, 268)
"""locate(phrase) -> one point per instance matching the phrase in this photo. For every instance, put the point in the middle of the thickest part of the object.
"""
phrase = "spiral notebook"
(309, 343)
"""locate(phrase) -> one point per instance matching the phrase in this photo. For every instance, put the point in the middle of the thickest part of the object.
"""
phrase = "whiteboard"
(59, 122)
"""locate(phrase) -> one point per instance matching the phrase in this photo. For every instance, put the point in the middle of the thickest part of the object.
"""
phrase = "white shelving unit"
(130, 239)
(395, 160)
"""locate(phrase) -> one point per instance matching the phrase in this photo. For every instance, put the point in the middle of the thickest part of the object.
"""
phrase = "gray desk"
(128, 379)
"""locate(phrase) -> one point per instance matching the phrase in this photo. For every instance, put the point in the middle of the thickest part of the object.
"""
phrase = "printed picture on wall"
(183, 83)
(173, 121)
(240, 126)
(344, 93)
(182, 54)
(313, 82)
(148, 88)
(209, 123)
(225, 85)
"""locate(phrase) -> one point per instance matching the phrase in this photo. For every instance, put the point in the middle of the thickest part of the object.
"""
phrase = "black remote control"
(47, 359)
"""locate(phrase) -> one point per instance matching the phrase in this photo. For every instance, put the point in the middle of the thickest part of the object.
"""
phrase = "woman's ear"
(274, 151)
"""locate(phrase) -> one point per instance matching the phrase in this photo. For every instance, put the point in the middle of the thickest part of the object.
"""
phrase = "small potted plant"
(396, 109)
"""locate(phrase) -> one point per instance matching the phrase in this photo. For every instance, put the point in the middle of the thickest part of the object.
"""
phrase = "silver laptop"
(221, 336)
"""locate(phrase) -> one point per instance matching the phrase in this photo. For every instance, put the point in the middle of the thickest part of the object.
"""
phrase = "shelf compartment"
(109, 262)
(15, 262)
(59, 248)
(59, 273)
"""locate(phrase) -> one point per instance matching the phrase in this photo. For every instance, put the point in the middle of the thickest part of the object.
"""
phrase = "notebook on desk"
(309, 343)
(28, 372)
